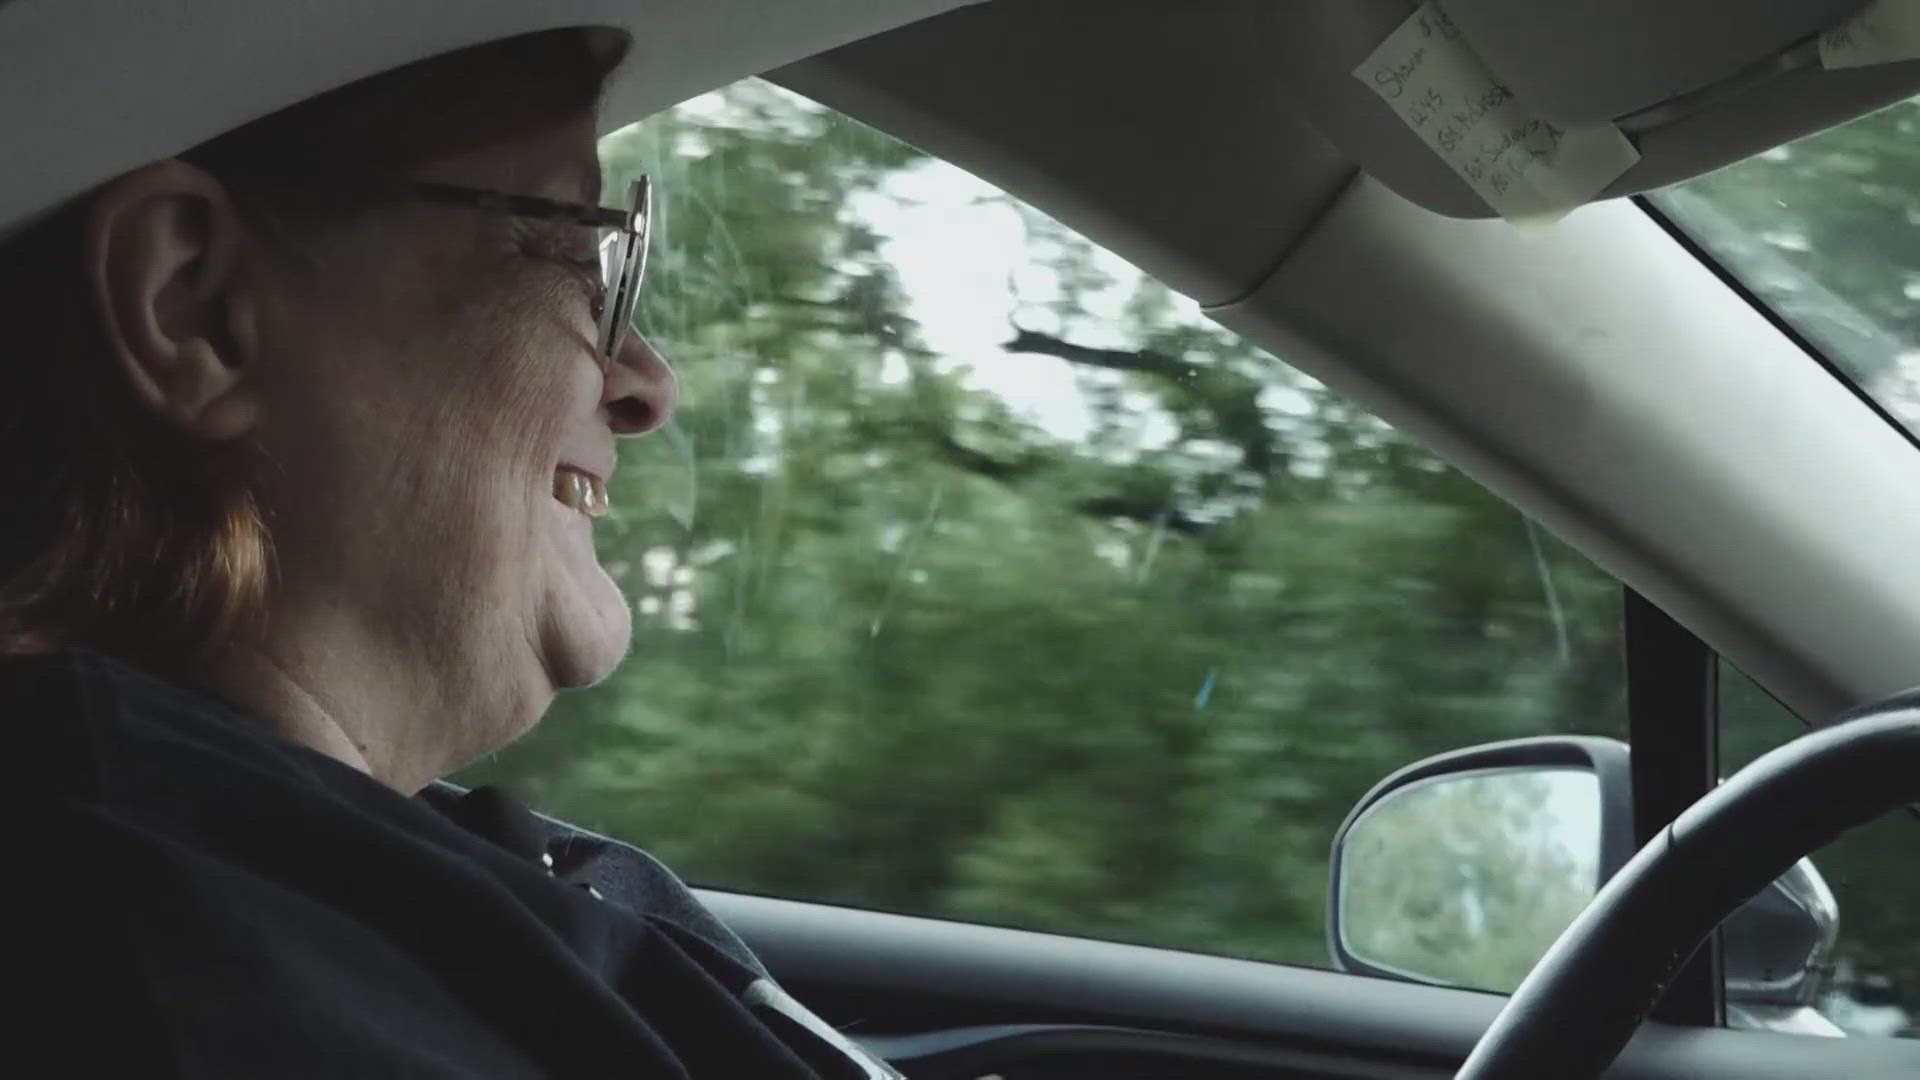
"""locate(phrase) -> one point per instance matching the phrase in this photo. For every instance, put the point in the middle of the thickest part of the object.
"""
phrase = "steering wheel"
(1585, 997)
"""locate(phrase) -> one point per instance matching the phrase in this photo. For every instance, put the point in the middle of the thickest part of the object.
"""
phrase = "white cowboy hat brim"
(92, 88)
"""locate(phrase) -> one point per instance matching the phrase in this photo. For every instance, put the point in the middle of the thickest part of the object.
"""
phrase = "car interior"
(1595, 371)
(1597, 375)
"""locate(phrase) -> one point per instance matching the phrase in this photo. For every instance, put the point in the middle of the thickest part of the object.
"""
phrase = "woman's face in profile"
(431, 392)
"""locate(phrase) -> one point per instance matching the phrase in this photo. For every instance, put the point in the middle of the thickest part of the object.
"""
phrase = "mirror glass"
(1467, 879)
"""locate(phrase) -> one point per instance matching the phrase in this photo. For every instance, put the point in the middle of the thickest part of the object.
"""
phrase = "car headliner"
(91, 88)
(1598, 376)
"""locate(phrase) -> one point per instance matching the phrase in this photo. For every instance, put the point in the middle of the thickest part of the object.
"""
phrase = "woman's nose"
(641, 390)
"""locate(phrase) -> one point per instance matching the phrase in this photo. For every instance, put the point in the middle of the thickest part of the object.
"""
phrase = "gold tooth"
(581, 492)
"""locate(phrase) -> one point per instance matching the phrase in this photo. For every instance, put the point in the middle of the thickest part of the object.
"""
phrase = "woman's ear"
(163, 252)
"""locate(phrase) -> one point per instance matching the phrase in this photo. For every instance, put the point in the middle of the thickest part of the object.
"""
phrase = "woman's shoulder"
(96, 726)
(48, 702)
(92, 688)
(483, 933)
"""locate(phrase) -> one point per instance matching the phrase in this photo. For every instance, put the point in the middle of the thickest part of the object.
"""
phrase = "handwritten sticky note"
(1880, 33)
(1528, 170)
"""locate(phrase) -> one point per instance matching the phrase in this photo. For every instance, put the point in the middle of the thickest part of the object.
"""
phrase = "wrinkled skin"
(413, 375)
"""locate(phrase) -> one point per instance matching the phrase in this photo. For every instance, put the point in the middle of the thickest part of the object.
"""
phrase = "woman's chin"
(591, 638)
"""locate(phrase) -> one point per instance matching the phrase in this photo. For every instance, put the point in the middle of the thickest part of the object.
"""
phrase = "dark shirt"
(190, 895)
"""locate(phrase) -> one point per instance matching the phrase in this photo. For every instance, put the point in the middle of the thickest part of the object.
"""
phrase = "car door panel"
(952, 1000)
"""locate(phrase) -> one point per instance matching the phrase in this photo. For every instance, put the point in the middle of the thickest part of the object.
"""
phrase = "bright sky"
(960, 250)
(1572, 816)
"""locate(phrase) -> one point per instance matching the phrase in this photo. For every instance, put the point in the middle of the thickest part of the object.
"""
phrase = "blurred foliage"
(901, 644)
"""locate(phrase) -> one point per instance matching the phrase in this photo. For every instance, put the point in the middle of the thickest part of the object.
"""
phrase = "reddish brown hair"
(125, 535)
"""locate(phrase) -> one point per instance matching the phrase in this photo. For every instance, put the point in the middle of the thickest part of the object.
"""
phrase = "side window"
(982, 577)
(1872, 987)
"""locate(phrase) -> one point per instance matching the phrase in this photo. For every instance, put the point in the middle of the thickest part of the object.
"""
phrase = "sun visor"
(1692, 84)
(1600, 61)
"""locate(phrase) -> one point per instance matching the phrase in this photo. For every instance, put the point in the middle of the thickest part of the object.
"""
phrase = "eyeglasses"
(623, 250)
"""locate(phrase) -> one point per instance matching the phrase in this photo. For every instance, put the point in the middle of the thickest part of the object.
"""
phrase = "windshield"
(1826, 232)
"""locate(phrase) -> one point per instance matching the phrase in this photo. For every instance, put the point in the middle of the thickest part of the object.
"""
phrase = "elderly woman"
(303, 433)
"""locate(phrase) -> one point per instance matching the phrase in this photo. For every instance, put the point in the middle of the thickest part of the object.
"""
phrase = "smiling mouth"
(581, 491)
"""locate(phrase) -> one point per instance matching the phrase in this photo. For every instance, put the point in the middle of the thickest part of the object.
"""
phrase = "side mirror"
(1777, 950)
(1462, 869)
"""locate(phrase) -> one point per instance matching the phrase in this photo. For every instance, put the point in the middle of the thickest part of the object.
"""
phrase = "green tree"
(903, 645)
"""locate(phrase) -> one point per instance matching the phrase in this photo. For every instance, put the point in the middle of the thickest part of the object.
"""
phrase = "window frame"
(1673, 732)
